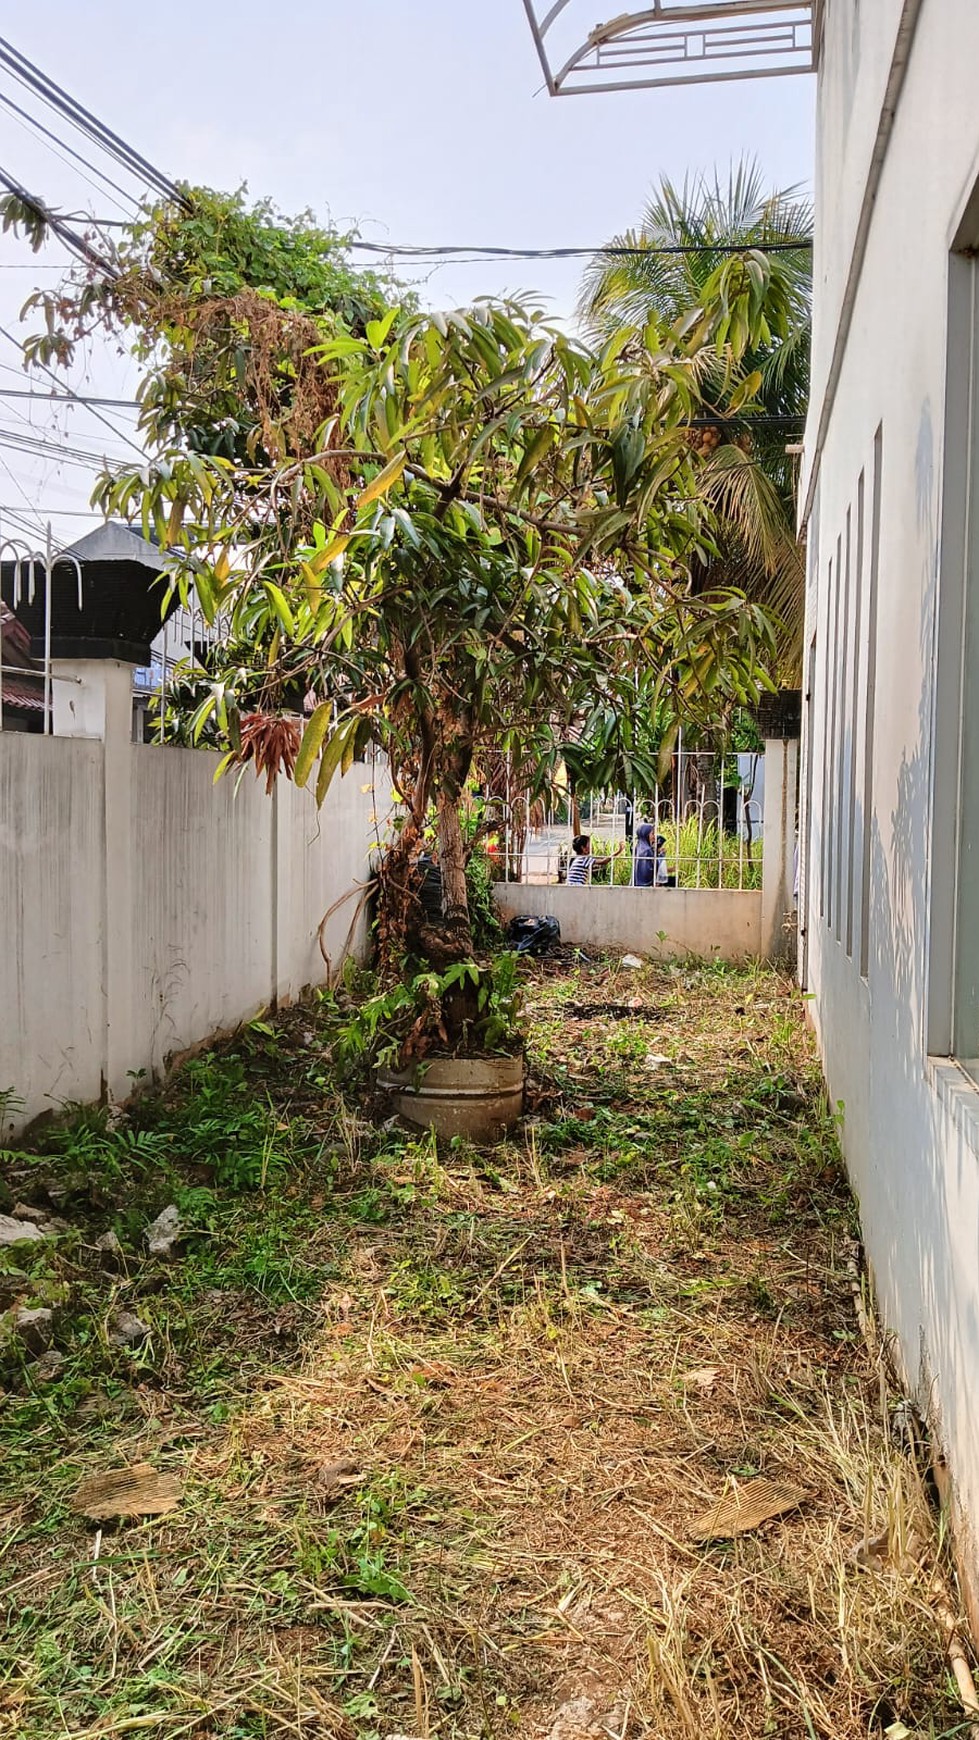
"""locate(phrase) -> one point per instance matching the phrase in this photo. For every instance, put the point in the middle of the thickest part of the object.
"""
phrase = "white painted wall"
(713, 923)
(52, 919)
(911, 1124)
(145, 908)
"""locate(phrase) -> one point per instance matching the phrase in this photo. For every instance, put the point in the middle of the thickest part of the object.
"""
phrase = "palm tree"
(746, 475)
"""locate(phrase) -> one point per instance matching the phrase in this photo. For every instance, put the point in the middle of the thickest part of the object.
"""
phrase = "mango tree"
(489, 526)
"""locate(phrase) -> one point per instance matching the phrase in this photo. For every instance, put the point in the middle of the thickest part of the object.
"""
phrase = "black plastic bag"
(533, 936)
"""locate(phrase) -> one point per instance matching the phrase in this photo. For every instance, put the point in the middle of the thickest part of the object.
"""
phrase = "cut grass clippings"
(445, 1422)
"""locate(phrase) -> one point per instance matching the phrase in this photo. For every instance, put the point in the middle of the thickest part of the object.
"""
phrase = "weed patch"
(444, 1420)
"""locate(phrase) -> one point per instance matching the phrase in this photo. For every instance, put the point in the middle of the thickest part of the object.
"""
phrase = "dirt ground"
(451, 1428)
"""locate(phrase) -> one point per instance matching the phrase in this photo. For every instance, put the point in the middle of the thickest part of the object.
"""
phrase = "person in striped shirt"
(582, 862)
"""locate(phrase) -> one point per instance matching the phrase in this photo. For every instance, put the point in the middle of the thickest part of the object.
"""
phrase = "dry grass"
(463, 1505)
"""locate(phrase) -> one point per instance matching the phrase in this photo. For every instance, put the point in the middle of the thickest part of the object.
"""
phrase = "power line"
(85, 122)
(614, 251)
(63, 455)
(57, 512)
(54, 142)
(15, 480)
(78, 245)
(20, 523)
(120, 433)
(55, 445)
(66, 398)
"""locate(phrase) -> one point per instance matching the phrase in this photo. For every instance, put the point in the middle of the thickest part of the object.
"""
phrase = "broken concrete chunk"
(24, 1211)
(126, 1330)
(632, 961)
(48, 1365)
(34, 1328)
(17, 1232)
(162, 1236)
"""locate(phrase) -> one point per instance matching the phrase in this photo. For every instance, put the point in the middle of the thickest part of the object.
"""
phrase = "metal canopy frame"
(673, 42)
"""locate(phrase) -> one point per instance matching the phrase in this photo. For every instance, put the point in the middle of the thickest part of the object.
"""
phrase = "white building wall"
(910, 1125)
(858, 36)
(145, 908)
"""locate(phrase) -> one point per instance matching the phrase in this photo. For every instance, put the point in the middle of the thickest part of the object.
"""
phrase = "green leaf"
(312, 741)
(330, 760)
(745, 391)
(386, 478)
(377, 330)
(280, 605)
(329, 553)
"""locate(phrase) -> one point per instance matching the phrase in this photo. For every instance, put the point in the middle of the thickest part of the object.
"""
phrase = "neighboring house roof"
(114, 542)
(21, 693)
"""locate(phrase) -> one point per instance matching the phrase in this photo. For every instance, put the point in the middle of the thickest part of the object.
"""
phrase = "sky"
(413, 123)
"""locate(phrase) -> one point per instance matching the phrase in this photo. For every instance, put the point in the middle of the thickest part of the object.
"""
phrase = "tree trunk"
(697, 795)
(460, 1005)
(452, 862)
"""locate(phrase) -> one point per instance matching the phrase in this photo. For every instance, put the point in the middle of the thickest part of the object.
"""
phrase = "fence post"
(99, 703)
(778, 847)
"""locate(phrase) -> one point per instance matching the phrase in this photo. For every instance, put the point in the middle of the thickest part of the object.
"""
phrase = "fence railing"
(707, 826)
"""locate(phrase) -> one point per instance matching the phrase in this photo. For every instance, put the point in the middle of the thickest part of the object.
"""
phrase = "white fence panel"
(203, 918)
(52, 864)
(145, 909)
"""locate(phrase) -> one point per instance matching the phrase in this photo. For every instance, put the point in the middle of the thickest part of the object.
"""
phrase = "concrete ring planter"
(481, 1097)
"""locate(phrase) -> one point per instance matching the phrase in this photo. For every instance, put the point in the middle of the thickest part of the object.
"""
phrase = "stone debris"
(18, 1232)
(34, 1328)
(633, 962)
(127, 1330)
(48, 1365)
(109, 1249)
(162, 1236)
(590, 1712)
(23, 1211)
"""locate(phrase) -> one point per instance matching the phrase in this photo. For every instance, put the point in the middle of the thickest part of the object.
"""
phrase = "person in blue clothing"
(652, 870)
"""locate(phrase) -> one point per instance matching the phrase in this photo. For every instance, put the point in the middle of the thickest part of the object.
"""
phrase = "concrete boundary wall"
(144, 908)
(727, 924)
(722, 924)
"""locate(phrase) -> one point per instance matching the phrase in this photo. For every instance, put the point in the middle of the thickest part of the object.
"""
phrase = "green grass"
(696, 856)
(441, 1415)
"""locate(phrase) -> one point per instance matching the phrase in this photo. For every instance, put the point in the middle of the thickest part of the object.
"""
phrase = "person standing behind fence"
(652, 870)
(663, 877)
(582, 862)
(645, 870)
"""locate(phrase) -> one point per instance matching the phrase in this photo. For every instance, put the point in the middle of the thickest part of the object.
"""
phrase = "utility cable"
(59, 146)
(614, 251)
(64, 455)
(84, 121)
(78, 245)
(120, 433)
(66, 398)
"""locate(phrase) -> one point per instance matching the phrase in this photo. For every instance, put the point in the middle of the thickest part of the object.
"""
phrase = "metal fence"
(27, 684)
(707, 820)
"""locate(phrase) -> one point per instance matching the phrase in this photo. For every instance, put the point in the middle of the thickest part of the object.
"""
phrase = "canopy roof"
(672, 42)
